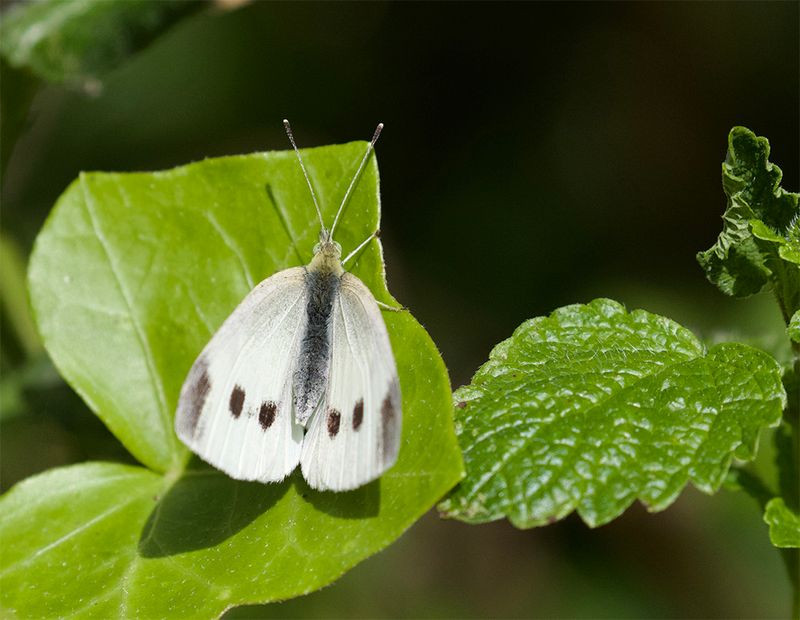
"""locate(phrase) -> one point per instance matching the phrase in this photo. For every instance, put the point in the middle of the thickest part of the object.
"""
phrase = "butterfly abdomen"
(313, 364)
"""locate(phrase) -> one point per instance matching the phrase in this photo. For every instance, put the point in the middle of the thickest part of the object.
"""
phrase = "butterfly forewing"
(355, 434)
(235, 407)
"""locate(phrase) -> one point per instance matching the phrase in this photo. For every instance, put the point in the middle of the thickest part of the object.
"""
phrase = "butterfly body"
(323, 282)
(301, 372)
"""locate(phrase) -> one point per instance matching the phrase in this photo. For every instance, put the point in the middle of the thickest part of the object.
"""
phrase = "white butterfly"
(301, 372)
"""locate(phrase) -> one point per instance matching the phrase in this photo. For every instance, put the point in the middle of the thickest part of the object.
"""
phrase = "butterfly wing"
(235, 407)
(355, 436)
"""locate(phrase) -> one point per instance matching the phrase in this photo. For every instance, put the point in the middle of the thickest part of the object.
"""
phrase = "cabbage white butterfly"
(301, 372)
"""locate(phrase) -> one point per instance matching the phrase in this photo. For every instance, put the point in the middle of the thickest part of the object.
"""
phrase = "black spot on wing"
(358, 414)
(266, 414)
(237, 401)
(197, 395)
(334, 420)
(388, 417)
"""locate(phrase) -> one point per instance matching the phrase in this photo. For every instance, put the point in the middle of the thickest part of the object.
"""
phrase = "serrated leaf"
(784, 524)
(129, 277)
(76, 41)
(593, 407)
(760, 240)
(788, 246)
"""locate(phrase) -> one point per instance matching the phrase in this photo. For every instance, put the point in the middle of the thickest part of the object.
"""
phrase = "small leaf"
(129, 277)
(780, 513)
(784, 524)
(76, 41)
(788, 245)
(794, 327)
(760, 239)
(593, 407)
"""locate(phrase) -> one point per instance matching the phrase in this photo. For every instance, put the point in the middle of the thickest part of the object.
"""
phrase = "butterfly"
(301, 372)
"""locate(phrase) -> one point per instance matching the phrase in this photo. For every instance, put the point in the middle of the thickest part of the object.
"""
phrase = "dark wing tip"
(193, 398)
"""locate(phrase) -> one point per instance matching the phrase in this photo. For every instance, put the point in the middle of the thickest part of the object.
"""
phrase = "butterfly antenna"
(356, 175)
(305, 174)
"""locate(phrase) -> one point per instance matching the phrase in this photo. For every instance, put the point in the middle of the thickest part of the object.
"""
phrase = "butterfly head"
(327, 246)
(327, 255)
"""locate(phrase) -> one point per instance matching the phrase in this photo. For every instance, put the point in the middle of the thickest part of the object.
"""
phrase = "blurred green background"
(534, 155)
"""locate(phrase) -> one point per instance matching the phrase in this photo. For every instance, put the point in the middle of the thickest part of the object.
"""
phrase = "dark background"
(534, 155)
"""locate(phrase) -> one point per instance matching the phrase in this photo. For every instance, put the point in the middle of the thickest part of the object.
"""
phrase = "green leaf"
(76, 41)
(593, 407)
(784, 524)
(788, 245)
(760, 239)
(115, 541)
(75, 518)
(794, 327)
(129, 277)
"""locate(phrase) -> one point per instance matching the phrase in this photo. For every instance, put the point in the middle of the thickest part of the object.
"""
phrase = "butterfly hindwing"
(354, 435)
(235, 407)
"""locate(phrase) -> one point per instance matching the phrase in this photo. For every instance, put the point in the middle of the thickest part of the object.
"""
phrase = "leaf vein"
(138, 330)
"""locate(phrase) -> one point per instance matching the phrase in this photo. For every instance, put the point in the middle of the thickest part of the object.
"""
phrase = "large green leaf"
(593, 407)
(77, 41)
(760, 239)
(129, 277)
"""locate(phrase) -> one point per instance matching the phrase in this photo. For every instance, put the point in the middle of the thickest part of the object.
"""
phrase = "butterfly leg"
(361, 245)
(384, 306)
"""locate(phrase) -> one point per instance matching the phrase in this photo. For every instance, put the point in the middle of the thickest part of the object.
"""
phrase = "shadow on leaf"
(360, 503)
(204, 508)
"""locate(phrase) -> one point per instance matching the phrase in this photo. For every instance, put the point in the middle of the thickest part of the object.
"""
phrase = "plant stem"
(791, 557)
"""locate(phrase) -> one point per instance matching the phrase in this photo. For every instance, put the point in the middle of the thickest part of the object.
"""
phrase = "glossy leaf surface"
(593, 407)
